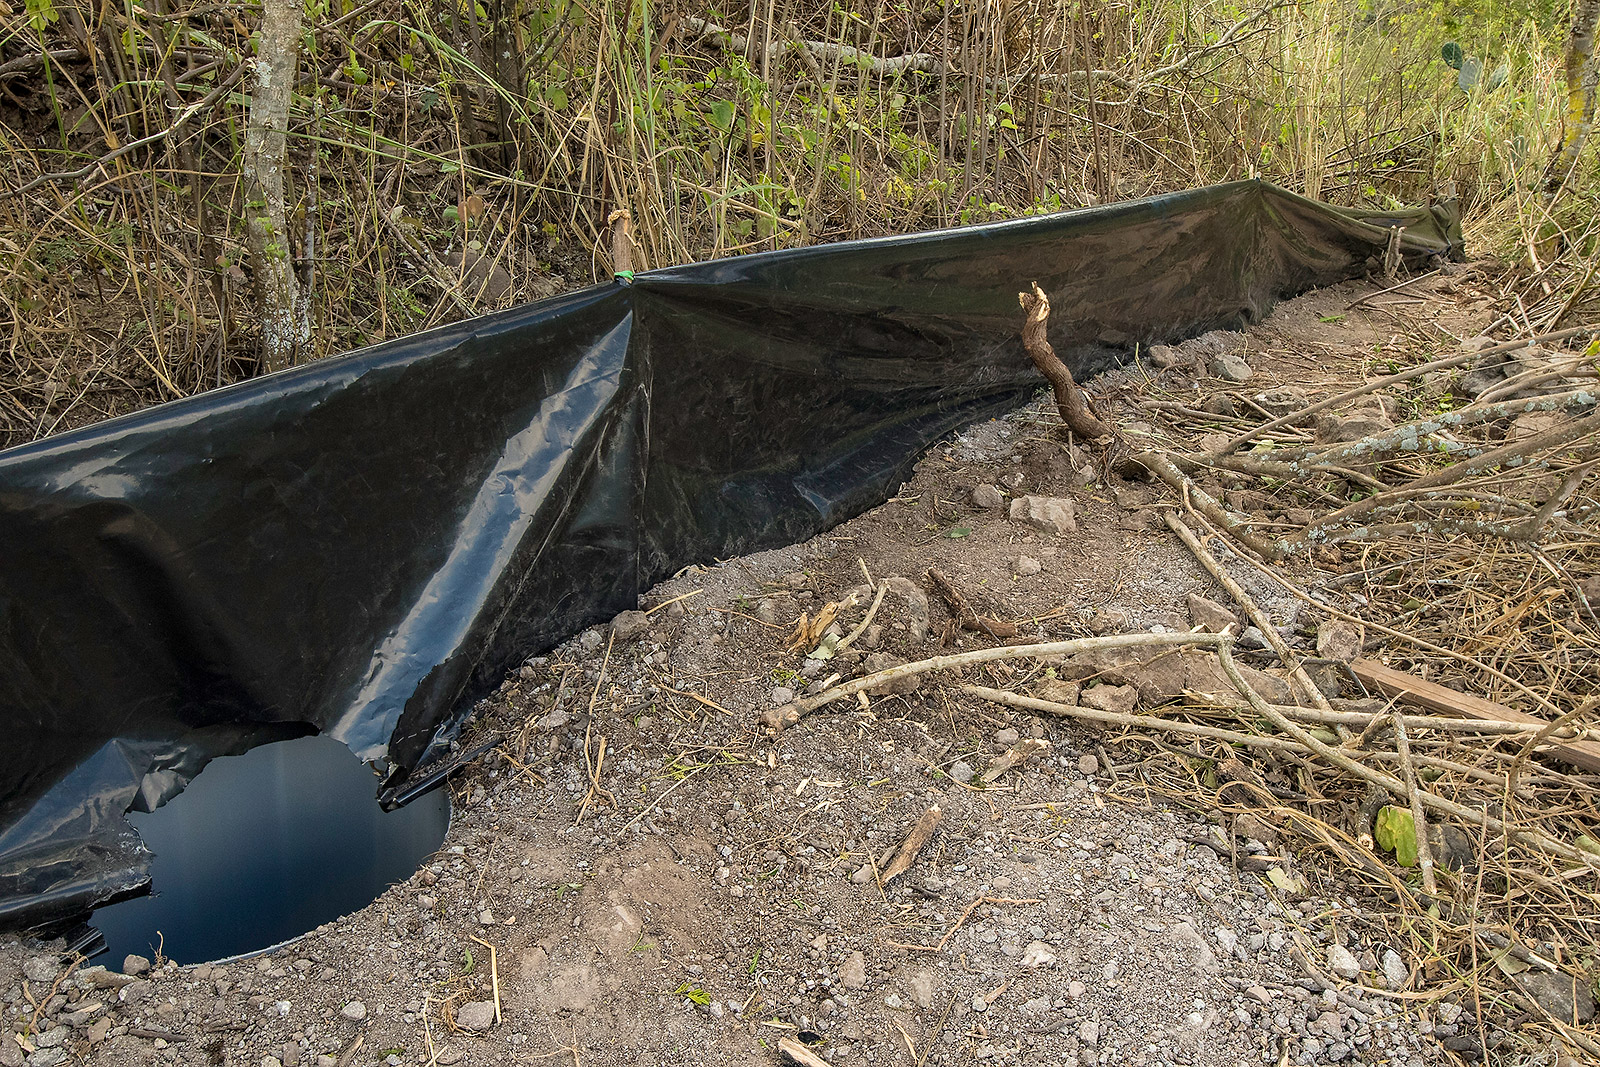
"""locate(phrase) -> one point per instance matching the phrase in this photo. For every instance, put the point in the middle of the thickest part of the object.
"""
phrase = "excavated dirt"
(661, 882)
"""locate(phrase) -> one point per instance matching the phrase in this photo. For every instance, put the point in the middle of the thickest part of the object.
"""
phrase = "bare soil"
(662, 882)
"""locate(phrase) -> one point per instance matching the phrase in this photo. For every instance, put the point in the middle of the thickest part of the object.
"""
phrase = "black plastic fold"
(362, 546)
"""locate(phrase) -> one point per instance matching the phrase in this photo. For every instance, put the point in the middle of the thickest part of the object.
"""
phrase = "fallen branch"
(1395, 379)
(778, 719)
(1529, 838)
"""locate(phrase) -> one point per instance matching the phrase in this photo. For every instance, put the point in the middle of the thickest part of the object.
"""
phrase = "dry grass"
(450, 160)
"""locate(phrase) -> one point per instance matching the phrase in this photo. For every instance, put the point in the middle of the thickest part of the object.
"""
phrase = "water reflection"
(264, 847)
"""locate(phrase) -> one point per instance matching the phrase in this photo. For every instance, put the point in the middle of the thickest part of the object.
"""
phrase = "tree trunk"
(1579, 118)
(285, 335)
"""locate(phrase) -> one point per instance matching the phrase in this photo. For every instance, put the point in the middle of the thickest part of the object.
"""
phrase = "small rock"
(135, 965)
(979, 1003)
(1220, 404)
(1038, 954)
(1210, 616)
(1108, 621)
(1089, 1033)
(271, 1061)
(628, 625)
(781, 695)
(882, 661)
(1004, 739)
(47, 1057)
(1027, 566)
(767, 611)
(354, 1011)
(988, 497)
(1334, 429)
(1395, 974)
(1254, 828)
(923, 987)
(1226, 938)
(1343, 963)
(862, 874)
(1283, 400)
(1120, 698)
(449, 1056)
(1337, 639)
(485, 917)
(1088, 765)
(44, 968)
(1053, 515)
(853, 971)
(1058, 690)
(476, 1015)
(961, 771)
(1231, 367)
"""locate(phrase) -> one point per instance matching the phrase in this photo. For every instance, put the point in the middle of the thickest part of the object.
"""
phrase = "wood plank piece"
(1413, 690)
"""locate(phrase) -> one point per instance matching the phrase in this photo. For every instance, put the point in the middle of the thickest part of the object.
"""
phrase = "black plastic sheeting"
(364, 545)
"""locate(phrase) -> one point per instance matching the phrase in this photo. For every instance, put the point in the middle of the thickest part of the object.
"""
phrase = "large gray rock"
(1052, 514)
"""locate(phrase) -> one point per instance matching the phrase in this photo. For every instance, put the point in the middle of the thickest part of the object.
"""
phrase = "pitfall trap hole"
(264, 847)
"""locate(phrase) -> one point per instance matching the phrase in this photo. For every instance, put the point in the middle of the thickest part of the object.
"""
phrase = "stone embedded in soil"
(1107, 621)
(135, 965)
(1395, 974)
(1027, 566)
(628, 625)
(1052, 514)
(1088, 765)
(1210, 616)
(1004, 739)
(853, 971)
(882, 661)
(988, 497)
(961, 771)
(1231, 367)
(1120, 698)
(354, 1011)
(476, 1015)
(1038, 954)
(1337, 639)
(781, 695)
(1057, 690)
(1563, 996)
(1334, 429)
(1343, 963)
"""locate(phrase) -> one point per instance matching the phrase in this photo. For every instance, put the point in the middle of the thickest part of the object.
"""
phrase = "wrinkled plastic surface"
(362, 546)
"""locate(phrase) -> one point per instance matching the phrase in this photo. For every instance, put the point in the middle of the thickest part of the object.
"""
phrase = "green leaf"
(1497, 77)
(1452, 54)
(1471, 70)
(958, 531)
(1397, 833)
(722, 114)
(41, 13)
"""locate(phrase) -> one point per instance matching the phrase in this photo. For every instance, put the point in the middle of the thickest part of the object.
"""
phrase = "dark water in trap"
(263, 847)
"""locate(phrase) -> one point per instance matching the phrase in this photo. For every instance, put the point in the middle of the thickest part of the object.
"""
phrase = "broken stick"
(963, 611)
(914, 841)
(1076, 412)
